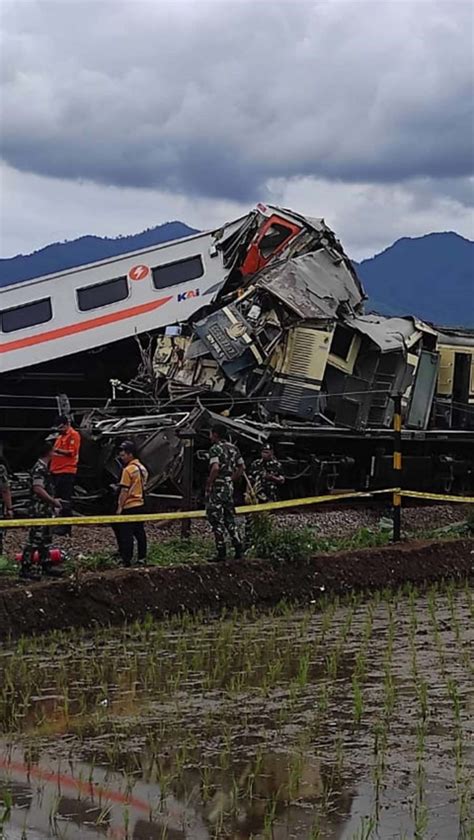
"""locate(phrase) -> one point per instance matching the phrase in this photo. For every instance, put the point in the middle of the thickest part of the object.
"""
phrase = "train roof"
(462, 336)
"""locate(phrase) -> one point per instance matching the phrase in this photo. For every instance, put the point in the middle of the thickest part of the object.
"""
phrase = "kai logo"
(192, 293)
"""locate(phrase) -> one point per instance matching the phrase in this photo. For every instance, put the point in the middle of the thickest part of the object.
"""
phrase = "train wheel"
(447, 484)
(330, 482)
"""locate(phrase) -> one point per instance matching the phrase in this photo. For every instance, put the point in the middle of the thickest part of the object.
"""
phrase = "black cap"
(128, 446)
(63, 420)
(220, 430)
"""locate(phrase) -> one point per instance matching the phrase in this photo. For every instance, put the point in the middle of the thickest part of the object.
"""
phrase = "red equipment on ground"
(56, 557)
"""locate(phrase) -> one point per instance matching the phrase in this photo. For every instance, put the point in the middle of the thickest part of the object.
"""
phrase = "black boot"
(220, 555)
(239, 551)
(29, 570)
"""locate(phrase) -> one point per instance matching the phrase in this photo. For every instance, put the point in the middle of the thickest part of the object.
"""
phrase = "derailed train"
(263, 327)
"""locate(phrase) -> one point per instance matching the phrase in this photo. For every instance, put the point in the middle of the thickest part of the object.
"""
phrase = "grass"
(270, 542)
(164, 553)
(273, 541)
(7, 566)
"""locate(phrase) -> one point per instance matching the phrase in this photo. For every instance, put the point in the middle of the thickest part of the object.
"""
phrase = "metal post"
(397, 467)
(188, 443)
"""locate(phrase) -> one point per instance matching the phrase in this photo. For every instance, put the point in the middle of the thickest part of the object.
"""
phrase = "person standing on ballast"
(63, 466)
(131, 501)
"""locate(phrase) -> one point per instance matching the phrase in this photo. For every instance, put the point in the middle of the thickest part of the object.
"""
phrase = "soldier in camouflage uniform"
(42, 505)
(266, 475)
(6, 509)
(226, 466)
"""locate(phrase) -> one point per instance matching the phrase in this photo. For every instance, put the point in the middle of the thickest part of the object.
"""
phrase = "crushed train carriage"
(261, 321)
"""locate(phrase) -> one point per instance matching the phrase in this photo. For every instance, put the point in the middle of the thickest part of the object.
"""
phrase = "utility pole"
(187, 436)
(397, 467)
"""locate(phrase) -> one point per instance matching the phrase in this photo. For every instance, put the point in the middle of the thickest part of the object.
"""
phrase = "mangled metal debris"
(281, 347)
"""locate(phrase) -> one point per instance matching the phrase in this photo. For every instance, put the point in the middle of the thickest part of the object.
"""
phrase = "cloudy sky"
(122, 115)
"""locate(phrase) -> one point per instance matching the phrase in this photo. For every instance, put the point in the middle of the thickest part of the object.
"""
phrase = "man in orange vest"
(63, 467)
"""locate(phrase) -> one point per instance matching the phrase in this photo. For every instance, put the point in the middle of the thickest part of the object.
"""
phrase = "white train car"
(100, 303)
(59, 314)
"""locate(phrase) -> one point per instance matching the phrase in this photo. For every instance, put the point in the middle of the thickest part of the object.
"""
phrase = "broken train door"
(270, 240)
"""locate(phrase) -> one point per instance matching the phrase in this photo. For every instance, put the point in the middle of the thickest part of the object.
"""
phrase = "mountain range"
(430, 276)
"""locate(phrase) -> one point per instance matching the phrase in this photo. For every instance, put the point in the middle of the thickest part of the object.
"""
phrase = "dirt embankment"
(115, 596)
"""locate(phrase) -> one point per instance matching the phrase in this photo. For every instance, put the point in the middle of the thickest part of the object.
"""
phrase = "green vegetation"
(164, 553)
(270, 542)
(273, 541)
(7, 566)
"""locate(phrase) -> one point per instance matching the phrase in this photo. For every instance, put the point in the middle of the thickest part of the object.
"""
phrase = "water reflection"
(180, 742)
(84, 812)
(238, 802)
(271, 797)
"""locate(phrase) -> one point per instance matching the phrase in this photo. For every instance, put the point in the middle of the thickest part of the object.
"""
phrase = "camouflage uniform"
(264, 489)
(220, 508)
(4, 484)
(39, 536)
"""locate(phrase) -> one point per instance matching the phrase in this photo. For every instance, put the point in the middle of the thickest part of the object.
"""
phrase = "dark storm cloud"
(214, 99)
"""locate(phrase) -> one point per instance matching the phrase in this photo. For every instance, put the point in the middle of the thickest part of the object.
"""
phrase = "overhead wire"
(212, 401)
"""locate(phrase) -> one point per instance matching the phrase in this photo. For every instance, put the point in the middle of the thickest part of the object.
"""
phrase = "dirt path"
(115, 596)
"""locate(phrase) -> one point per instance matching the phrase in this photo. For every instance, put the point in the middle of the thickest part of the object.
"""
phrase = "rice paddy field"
(348, 719)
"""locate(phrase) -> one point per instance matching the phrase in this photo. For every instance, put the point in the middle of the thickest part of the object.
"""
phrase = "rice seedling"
(365, 830)
(316, 829)
(6, 803)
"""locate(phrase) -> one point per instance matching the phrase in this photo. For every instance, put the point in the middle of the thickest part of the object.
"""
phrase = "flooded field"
(347, 720)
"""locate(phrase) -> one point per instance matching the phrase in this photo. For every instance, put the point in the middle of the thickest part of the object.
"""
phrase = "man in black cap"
(131, 501)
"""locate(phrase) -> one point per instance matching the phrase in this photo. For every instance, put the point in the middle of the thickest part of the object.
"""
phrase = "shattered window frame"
(168, 274)
(276, 226)
(342, 336)
(346, 364)
(117, 282)
(43, 309)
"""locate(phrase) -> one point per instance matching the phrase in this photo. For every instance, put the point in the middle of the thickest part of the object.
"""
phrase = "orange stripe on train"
(92, 323)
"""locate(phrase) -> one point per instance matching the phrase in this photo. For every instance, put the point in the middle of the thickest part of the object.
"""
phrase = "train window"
(28, 315)
(181, 271)
(341, 342)
(274, 237)
(102, 294)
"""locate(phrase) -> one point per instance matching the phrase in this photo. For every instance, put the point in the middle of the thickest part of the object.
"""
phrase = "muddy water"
(344, 721)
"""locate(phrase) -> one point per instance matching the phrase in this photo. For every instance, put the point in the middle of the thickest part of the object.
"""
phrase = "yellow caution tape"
(414, 494)
(186, 514)
(312, 500)
(200, 514)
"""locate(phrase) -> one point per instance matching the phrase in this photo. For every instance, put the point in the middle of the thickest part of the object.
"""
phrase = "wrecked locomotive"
(261, 324)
